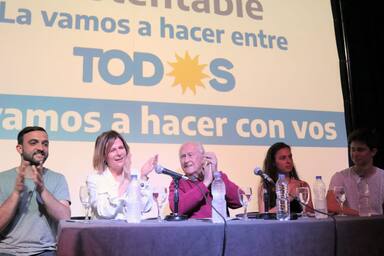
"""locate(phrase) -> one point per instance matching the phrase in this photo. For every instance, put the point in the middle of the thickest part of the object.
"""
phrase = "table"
(109, 238)
(360, 236)
(271, 237)
(348, 236)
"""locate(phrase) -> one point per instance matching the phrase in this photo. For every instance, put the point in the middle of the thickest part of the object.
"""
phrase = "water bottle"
(282, 199)
(319, 190)
(364, 205)
(133, 200)
(218, 199)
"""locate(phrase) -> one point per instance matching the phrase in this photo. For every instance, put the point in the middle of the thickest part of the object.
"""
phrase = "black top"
(295, 206)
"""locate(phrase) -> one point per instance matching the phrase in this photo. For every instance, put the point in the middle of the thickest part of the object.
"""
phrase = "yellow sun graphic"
(187, 72)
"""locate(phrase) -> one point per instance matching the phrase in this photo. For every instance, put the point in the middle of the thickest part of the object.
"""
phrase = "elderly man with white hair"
(195, 195)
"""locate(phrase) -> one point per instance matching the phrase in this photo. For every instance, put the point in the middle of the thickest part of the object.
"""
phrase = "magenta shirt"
(192, 202)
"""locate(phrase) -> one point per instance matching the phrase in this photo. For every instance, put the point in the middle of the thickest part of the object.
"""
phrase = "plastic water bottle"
(133, 200)
(364, 205)
(218, 201)
(319, 190)
(282, 199)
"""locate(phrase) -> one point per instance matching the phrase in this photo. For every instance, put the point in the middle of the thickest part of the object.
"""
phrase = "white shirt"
(350, 181)
(105, 202)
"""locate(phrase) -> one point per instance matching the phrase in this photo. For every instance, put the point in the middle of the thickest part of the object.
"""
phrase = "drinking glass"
(245, 194)
(303, 194)
(85, 200)
(340, 197)
(160, 195)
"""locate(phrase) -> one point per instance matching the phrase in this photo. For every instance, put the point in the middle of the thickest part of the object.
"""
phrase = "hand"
(208, 176)
(19, 184)
(37, 177)
(209, 167)
(127, 166)
(210, 159)
(148, 167)
(292, 185)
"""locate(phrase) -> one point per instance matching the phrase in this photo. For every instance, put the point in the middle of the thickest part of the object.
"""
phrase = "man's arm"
(58, 210)
(334, 206)
(8, 208)
(231, 195)
(189, 198)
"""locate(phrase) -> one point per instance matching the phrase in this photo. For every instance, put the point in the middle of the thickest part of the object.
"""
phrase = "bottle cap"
(281, 176)
(318, 177)
(134, 172)
(217, 174)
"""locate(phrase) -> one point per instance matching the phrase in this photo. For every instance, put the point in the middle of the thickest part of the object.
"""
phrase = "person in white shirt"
(108, 186)
(363, 146)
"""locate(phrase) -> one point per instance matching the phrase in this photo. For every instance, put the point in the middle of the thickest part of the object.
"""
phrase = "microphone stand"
(266, 195)
(266, 198)
(175, 215)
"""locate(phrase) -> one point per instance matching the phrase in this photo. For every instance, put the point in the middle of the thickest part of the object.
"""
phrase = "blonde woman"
(108, 186)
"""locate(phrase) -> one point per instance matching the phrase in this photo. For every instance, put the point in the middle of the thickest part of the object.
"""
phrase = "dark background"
(360, 46)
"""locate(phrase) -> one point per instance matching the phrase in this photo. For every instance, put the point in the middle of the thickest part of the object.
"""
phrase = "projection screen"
(236, 75)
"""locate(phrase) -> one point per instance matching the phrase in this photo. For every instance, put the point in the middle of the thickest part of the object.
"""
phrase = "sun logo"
(188, 72)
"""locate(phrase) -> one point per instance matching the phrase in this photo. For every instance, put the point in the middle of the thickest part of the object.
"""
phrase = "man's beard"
(30, 157)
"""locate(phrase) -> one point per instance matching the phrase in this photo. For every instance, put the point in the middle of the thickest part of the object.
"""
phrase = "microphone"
(160, 169)
(263, 175)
